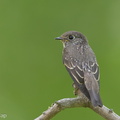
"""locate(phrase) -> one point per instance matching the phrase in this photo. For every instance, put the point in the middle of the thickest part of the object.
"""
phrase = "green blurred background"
(32, 75)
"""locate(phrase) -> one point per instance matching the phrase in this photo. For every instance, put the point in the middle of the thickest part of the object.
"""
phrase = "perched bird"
(80, 61)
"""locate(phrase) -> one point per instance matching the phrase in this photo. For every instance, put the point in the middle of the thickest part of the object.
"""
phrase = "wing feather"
(77, 74)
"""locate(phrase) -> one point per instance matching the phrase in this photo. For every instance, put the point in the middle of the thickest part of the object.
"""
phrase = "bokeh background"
(32, 75)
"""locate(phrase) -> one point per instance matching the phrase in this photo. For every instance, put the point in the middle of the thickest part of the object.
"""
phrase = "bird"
(80, 62)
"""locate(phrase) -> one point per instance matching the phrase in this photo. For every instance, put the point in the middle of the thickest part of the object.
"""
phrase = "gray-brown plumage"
(80, 62)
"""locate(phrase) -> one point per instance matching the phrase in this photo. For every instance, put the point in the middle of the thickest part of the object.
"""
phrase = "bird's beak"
(58, 38)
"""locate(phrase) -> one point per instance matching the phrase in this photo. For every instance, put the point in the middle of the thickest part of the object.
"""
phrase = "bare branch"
(105, 112)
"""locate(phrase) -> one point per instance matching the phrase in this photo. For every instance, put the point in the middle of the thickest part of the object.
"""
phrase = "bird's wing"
(78, 69)
(94, 69)
(85, 75)
(91, 78)
(74, 67)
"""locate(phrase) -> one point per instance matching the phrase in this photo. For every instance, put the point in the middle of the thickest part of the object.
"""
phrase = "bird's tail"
(95, 99)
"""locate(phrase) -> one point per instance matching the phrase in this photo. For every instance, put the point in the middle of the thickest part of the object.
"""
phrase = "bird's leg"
(75, 92)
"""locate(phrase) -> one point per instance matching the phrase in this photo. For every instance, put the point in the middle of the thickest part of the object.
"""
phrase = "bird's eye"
(71, 37)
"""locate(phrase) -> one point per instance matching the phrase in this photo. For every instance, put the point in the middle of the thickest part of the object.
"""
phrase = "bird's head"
(72, 37)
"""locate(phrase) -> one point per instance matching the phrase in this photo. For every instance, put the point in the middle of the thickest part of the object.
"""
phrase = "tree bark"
(59, 105)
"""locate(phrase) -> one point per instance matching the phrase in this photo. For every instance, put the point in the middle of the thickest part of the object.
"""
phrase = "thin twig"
(105, 112)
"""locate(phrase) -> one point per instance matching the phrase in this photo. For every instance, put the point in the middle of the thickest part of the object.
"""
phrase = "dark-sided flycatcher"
(80, 61)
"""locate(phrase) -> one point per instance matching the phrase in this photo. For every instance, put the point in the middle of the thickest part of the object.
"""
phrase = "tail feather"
(95, 99)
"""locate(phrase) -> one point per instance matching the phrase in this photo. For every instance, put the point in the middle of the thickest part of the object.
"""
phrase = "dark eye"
(71, 37)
